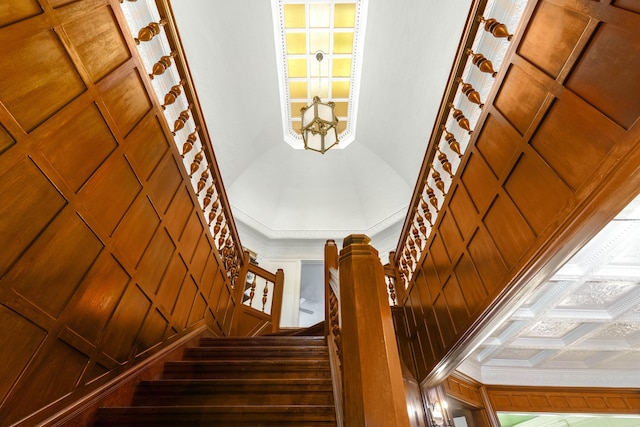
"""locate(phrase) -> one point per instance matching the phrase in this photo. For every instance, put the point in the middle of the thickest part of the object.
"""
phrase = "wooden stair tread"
(264, 341)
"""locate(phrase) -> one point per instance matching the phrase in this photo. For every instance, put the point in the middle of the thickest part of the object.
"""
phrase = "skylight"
(302, 29)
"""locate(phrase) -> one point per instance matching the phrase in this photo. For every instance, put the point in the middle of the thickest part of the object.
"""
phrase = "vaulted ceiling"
(580, 328)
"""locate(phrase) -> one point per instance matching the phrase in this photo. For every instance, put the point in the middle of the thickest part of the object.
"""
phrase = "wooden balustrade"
(201, 167)
(442, 160)
(333, 323)
(260, 300)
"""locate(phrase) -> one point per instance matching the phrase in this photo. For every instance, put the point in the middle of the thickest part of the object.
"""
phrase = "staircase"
(260, 381)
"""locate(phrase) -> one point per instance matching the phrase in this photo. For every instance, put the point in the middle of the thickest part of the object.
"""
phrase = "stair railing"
(482, 48)
(260, 300)
(160, 53)
(357, 308)
(333, 323)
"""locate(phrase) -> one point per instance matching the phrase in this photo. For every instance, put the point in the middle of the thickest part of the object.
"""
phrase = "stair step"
(255, 352)
(248, 368)
(231, 392)
(220, 416)
(264, 341)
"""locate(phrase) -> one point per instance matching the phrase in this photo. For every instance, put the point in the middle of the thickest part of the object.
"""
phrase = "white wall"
(291, 293)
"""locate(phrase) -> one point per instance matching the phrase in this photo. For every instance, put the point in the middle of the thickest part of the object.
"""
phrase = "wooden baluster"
(412, 250)
(483, 64)
(432, 197)
(191, 139)
(426, 211)
(253, 290)
(471, 94)
(223, 234)
(173, 94)
(446, 164)
(451, 140)
(416, 237)
(204, 176)
(265, 293)
(207, 197)
(218, 226)
(212, 212)
(163, 63)
(497, 29)
(459, 117)
(421, 225)
(195, 165)
(438, 180)
(392, 289)
(150, 31)
(181, 120)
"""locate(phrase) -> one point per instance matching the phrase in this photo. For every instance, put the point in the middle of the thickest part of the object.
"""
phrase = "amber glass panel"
(297, 67)
(341, 67)
(294, 16)
(340, 89)
(296, 43)
(298, 89)
(345, 15)
(343, 42)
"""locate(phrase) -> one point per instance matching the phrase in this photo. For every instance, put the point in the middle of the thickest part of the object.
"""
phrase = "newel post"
(276, 301)
(374, 393)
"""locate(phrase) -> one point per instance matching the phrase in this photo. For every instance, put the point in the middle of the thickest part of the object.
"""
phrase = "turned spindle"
(161, 66)
(150, 31)
(495, 28)
(173, 94)
(191, 139)
(471, 94)
(181, 120)
(459, 117)
(483, 64)
(438, 180)
(451, 140)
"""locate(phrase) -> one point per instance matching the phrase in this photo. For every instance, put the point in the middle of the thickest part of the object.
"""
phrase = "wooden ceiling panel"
(16, 10)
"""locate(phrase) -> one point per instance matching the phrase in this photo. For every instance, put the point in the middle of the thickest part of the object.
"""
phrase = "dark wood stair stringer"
(261, 381)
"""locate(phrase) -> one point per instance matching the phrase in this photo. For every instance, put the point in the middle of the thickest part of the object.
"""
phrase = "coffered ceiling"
(580, 328)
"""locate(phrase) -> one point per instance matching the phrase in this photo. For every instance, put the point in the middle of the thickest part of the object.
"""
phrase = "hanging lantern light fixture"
(319, 122)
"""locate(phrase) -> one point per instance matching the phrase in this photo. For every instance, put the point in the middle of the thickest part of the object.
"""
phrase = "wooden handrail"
(429, 185)
(225, 234)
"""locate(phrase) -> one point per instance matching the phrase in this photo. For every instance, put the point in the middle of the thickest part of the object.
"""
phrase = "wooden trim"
(564, 399)
(94, 398)
(173, 37)
(459, 64)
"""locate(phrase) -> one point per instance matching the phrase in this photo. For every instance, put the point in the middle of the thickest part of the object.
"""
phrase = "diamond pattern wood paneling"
(104, 259)
(46, 74)
(539, 153)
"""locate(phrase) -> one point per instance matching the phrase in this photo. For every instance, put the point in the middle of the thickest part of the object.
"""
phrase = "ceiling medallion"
(335, 29)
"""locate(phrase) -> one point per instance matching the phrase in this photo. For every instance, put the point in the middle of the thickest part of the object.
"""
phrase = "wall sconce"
(438, 414)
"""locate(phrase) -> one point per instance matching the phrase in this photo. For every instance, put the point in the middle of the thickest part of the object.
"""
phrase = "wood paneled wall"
(564, 400)
(554, 156)
(104, 257)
